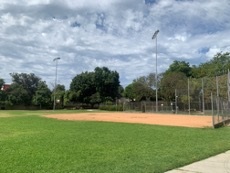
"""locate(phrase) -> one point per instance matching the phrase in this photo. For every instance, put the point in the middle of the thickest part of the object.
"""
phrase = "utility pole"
(55, 82)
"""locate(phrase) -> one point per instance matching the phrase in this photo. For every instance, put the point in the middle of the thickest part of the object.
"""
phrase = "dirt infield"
(159, 119)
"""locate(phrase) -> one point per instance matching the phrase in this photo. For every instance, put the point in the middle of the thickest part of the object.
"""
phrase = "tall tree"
(215, 67)
(180, 67)
(95, 87)
(2, 94)
(59, 95)
(42, 96)
(84, 87)
(138, 91)
(17, 95)
(28, 82)
(107, 83)
(170, 82)
(2, 82)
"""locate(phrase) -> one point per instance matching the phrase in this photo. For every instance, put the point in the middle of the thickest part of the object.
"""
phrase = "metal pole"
(156, 80)
(203, 105)
(213, 120)
(156, 75)
(189, 98)
(55, 82)
(228, 86)
(217, 97)
(176, 100)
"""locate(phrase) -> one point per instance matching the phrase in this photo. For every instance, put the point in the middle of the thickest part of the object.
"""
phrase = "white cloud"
(114, 33)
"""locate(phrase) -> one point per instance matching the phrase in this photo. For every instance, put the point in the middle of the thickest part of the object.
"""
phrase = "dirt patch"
(143, 118)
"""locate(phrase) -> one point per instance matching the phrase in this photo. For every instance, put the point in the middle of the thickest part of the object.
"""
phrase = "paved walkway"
(216, 164)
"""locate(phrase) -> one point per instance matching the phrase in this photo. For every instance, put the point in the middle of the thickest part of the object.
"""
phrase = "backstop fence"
(207, 96)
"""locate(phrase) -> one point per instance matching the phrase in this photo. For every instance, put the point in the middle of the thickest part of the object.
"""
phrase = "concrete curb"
(216, 164)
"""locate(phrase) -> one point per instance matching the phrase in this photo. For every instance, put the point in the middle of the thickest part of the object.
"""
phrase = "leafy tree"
(129, 92)
(180, 67)
(149, 80)
(3, 95)
(138, 91)
(170, 82)
(59, 94)
(84, 87)
(42, 95)
(27, 82)
(17, 95)
(2, 82)
(217, 66)
(107, 83)
(69, 97)
(95, 87)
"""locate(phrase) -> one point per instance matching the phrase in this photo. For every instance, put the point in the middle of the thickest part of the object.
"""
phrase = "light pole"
(55, 82)
(156, 78)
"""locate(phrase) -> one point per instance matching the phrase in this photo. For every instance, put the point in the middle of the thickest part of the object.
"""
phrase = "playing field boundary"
(140, 118)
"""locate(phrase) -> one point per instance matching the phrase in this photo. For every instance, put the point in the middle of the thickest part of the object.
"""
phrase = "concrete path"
(216, 164)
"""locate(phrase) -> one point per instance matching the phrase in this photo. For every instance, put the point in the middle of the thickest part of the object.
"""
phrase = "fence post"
(213, 121)
(203, 104)
(217, 97)
(176, 100)
(188, 98)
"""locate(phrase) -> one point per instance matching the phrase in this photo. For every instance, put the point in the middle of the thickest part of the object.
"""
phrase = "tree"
(180, 66)
(17, 95)
(3, 95)
(219, 65)
(27, 82)
(95, 87)
(138, 91)
(84, 87)
(59, 95)
(170, 82)
(149, 80)
(42, 95)
(2, 82)
(107, 83)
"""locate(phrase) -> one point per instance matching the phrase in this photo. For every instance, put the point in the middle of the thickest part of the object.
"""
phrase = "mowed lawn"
(33, 144)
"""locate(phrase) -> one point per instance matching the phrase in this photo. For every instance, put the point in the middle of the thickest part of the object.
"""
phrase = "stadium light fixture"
(55, 82)
(156, 78)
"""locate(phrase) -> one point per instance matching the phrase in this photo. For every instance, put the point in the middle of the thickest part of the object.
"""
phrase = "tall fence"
(206, 96)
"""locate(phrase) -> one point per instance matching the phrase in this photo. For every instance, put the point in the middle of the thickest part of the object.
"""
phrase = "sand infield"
(142, 118)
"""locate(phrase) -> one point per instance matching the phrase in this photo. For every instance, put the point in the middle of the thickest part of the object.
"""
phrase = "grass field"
(30, 143)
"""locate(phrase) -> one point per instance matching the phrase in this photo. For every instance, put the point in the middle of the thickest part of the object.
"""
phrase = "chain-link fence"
(206, 96)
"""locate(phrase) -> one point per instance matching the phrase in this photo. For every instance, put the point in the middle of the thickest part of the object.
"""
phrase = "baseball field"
(91, 141)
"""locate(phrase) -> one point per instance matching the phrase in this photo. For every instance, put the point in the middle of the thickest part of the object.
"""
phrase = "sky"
(108, 33)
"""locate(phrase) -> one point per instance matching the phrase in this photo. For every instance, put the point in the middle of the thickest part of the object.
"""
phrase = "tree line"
(88, 88)
(103, 85)
(176, 78)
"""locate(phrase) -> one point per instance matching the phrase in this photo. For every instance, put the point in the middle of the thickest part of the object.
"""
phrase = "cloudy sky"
(112, 33)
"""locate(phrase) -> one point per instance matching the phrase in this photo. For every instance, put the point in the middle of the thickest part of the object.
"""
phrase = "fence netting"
(206, 96)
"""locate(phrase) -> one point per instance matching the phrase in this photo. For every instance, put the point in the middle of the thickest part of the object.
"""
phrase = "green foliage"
(141, 88)
(26, 84)
(84, 87)
(170, 82)
(17, 95)
(95, 87)
(42, 95)
(59, 95)
(107, 83)
(180, 67)
(2, 82)
(217, 66)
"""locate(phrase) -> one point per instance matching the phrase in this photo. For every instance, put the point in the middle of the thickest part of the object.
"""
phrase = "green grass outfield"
(33, 144)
